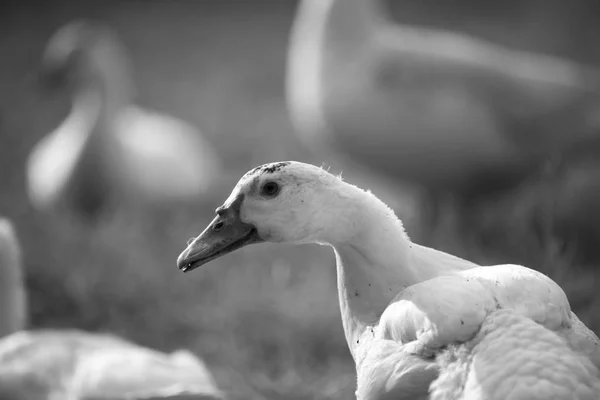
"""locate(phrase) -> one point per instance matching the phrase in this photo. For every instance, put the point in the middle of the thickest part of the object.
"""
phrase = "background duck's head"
(82, 53)
(282, 202)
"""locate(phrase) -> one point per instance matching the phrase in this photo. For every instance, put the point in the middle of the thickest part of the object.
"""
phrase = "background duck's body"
(444, 110)
(402, 302)
(109, 149)
(77, 365)
(73, 364)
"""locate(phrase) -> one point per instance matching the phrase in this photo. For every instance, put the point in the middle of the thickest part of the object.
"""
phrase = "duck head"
(282, 202)
(80, 53)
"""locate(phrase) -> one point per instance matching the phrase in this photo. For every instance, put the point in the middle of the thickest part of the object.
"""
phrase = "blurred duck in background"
(451, 113)
(108, 150)
(72, 364)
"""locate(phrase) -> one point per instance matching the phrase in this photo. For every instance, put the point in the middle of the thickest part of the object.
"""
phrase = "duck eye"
(270, 189)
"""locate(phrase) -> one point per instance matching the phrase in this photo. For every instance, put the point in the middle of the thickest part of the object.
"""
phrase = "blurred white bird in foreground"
(109, 149)
(53, 364)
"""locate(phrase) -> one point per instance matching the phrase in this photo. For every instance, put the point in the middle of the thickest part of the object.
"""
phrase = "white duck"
(56, 364)
(108, 147)
(402, 302)
(440, 109)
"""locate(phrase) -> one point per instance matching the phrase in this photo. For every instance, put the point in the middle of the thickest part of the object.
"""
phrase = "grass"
(266, 318)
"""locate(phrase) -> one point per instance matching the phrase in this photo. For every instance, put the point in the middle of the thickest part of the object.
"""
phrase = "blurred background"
(266, 319)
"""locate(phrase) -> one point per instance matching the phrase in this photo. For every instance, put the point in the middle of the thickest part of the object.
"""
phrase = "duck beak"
(226, 233)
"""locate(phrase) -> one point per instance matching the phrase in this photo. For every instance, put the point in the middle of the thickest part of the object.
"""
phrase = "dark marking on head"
(274, 167)
(267, 168)
(254, 170)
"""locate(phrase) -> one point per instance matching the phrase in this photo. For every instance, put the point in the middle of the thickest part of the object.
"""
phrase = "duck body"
(524, 348)
(402, 353)
(402, 303)
(508, 357)
(140, 161)
(482, 349)
(432, 107)
(464, 300)
(108, 148)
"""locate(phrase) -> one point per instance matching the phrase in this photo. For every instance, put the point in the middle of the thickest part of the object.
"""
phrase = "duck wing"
(512, 357)
(460, 325)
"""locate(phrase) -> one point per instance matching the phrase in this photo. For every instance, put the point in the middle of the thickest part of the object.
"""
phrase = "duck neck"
(350, 23)
(375, 261)
(106, 89)
(88, 105)
(329, 38)
(115, 84)
(347, 30)
(13, 307)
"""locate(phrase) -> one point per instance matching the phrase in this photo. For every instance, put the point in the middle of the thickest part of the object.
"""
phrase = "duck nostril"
(218, 226)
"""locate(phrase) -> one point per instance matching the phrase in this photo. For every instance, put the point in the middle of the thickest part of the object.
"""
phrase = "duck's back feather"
(512, 357)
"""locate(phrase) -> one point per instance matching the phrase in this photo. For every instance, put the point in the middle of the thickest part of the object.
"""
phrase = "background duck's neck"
(13, 307)
(349, 24)
(88, 105)
(106, 87)
(327, 38)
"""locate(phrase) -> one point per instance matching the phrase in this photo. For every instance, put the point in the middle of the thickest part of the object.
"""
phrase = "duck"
(38, 364)
(411, 314)
(109, 149)
(450, 112)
